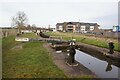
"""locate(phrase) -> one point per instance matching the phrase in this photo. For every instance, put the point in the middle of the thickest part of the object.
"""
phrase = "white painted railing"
(22, 39)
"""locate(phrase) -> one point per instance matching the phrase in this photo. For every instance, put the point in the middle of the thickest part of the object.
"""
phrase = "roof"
(107, 29)
(59, 24)
(91, 24)
(74, 23)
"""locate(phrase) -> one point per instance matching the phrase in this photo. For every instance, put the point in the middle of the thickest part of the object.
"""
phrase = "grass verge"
(30, 35)
(84, 39)
(30, 61)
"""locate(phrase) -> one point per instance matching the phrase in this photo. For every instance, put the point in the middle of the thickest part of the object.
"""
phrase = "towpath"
(71, 71)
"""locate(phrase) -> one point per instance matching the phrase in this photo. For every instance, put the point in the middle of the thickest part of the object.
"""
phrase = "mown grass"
(8, 42)
(88, 77)
(30, 35)
(84, 39)
(31, 61)
(1, 43)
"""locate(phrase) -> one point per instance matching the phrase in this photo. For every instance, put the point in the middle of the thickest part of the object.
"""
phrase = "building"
(116, 28)
(77, 27)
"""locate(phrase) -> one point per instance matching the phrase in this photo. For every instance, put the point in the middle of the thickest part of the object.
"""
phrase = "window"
(70, 26)
(91, 28)
(60, 28)
(83, 28)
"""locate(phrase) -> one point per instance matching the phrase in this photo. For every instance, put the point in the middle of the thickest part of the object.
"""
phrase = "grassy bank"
(27, 60)
(8, 43)
(85, 39)
(29, 35)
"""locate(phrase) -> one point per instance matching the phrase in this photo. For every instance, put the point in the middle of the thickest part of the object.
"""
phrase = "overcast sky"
(44, 13)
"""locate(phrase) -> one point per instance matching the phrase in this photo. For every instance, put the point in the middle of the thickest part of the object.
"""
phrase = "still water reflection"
(102, 68)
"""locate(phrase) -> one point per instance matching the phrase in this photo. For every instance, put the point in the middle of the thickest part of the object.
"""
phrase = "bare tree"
(34, 27)
(29, 27)
(49, 27)
(20, 20)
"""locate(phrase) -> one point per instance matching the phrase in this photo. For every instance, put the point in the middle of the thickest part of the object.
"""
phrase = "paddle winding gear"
(111, 47)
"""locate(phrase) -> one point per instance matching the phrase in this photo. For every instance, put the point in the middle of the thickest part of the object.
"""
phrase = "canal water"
(103, 68)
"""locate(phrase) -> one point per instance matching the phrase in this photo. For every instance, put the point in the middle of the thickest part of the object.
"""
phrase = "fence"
(7, 32)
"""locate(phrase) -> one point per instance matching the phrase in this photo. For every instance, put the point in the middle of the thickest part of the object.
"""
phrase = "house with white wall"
(77, 27)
